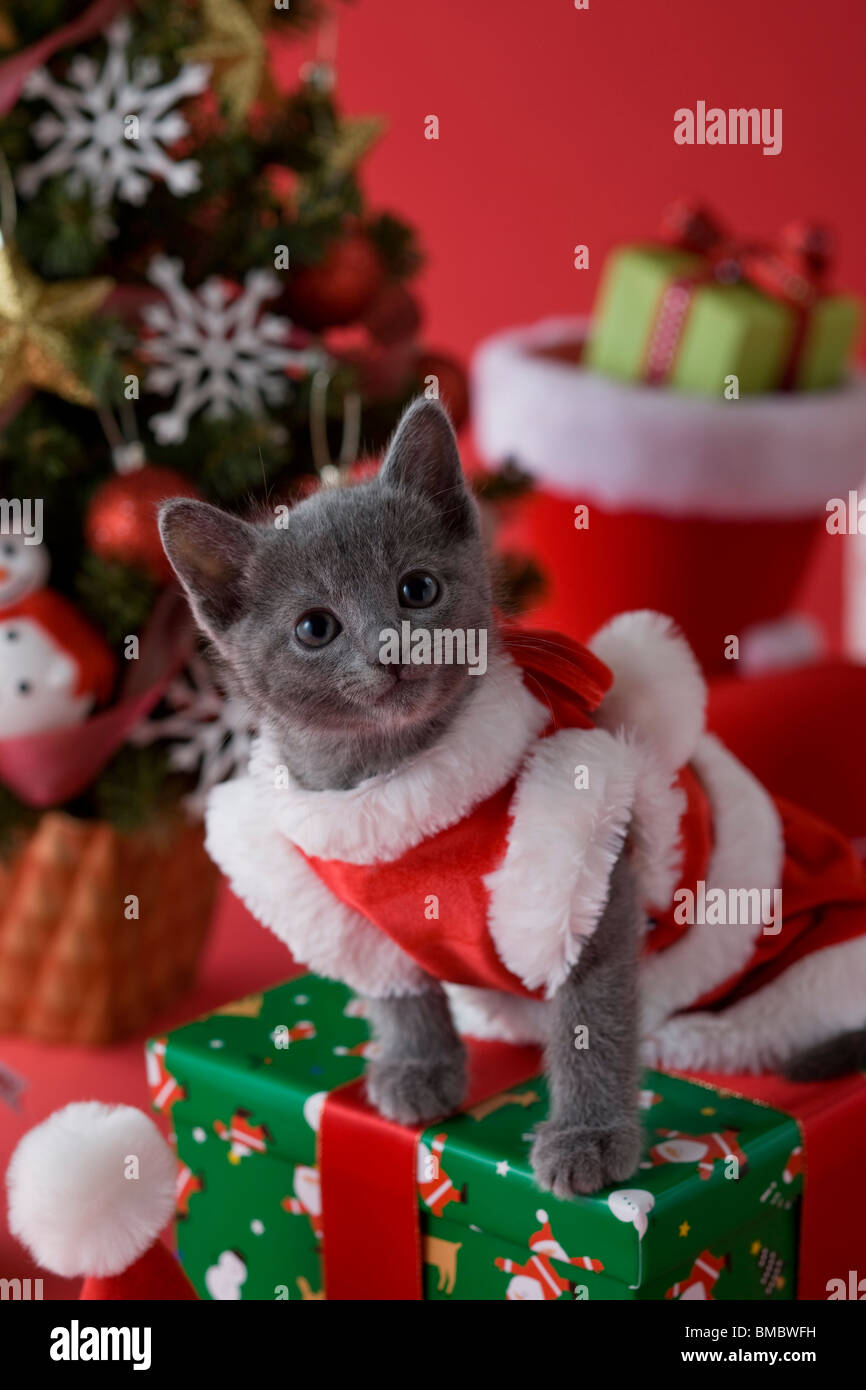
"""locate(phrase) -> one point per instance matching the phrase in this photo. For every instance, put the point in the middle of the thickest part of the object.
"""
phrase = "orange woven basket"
(99, 929)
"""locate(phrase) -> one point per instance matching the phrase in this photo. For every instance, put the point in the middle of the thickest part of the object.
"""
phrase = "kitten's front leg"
(593, 1135)
(420, 1070)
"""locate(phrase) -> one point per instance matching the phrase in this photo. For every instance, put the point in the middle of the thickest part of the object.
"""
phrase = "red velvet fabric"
(714, 577)
(801, 733)
(432, 900)
(156, 1276)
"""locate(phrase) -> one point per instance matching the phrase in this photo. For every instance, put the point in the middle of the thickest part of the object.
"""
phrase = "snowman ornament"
(54, 667)
(23, 568)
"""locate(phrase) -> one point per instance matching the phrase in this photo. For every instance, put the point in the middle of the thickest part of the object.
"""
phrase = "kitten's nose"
(394, 669)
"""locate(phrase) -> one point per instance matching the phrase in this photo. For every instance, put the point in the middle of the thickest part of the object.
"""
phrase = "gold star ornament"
(37, 323)
(233, 42)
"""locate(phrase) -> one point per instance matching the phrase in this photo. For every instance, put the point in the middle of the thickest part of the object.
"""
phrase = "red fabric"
(696, 830)
(676, 565)
(156, 1276)
(455, 944)
(372, 1244)
(432, 900)
(823, 903)
(561, 672)
(801, 733)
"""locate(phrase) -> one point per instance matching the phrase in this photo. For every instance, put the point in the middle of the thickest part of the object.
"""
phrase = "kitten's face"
(353, 564)
(301, 613)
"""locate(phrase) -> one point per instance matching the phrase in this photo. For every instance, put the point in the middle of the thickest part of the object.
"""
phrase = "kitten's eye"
(317, 629)
(418, 590)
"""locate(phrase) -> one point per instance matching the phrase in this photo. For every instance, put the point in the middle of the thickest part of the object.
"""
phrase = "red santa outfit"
(485, 861)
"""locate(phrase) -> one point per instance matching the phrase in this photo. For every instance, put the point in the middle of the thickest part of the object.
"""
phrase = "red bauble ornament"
(394, 315)
(452, 385)
(339, 288)
(121, 522)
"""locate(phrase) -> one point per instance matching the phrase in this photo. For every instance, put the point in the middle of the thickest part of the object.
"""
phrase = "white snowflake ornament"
(91, 137)
(208, 730)
(217, 350)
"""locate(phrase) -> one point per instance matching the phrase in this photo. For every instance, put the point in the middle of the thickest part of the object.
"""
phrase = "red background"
(556, 127)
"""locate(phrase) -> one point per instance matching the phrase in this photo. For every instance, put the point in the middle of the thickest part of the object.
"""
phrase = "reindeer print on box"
(506, 852)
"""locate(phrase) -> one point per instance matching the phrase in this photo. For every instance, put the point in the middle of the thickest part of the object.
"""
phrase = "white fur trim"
(551, 888)
(658, 450)
(748, 853)
(388, 814)
(490, 1013)
(658, 690)
(815, 999)
(281, 890)
(70, 1202)
(655, 838)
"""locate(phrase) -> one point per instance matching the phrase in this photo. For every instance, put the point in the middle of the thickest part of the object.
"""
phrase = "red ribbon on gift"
(372, 1237)
(372, 1248)
(793, 272)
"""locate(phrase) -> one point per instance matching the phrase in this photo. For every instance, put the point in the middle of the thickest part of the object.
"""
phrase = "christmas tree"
(195, 298)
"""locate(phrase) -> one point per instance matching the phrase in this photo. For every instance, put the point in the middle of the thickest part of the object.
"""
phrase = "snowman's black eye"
(418, 589)
(8, 548)
(24, 687)
(317, 628)
(11, 634)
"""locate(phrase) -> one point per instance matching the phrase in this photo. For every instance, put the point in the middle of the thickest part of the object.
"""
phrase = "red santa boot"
(644, 495)
(79, 1209)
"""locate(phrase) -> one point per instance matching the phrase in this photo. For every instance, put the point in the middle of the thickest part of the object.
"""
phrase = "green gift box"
(662, 315)
(712, 1212)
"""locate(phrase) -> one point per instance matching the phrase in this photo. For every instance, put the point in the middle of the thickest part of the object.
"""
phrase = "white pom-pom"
(541, 1216)
(658, 690)
(90, 1189)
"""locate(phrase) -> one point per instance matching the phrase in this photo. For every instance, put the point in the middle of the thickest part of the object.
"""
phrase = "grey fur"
(593, 1135)
(420, 1072)
(338, 715)
(836, 1057)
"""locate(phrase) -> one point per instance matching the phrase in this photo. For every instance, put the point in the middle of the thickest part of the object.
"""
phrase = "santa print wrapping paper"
(244, 1091)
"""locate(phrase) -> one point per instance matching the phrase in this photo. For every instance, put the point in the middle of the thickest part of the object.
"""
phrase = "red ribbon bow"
(793, 271)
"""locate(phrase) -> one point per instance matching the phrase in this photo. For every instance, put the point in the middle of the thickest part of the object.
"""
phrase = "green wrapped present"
(711, 1213)
(699, 310)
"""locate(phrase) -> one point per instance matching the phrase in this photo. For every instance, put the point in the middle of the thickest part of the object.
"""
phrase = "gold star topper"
(234, 44)
(37, 320)
(354, 137)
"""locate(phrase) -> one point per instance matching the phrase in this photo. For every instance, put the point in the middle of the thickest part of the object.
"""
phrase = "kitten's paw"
(415, 1091)
(566, 1161)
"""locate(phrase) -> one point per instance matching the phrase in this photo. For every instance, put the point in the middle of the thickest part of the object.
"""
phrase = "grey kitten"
(297, 616)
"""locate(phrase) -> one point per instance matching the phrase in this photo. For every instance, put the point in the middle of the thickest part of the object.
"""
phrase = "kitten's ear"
(209, 551)
(423, 456)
